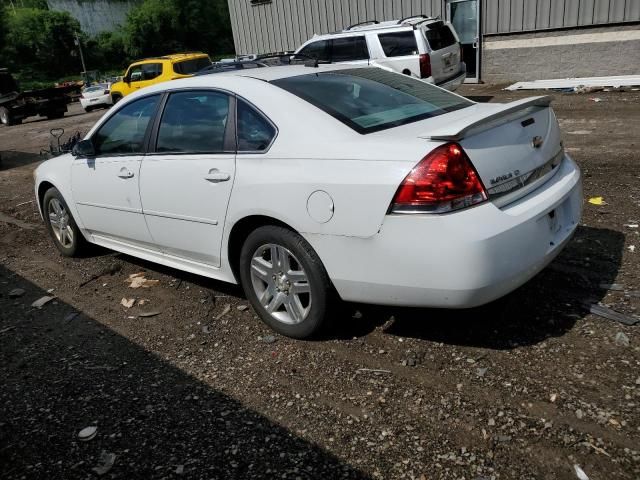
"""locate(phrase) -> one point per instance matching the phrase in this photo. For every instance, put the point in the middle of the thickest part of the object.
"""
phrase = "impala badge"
(537, 141)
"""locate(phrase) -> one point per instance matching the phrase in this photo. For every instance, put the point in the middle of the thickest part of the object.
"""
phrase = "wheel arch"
(239, 232)
(42, 189)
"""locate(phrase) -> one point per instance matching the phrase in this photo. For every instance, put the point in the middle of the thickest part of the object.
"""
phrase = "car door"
(105, 188)
(400, 52)
(186, 181)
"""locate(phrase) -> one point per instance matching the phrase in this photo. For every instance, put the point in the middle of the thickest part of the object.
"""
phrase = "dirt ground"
(523, 388)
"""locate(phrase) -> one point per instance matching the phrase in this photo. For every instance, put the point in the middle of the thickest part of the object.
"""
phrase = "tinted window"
(135, 73)
(349, 48)
(371, 99)
(255, 133)
(398, 44)
(189, 67)
(439, 36)
(319, 50)
(151, 71)
(124, 131)
(194, 122)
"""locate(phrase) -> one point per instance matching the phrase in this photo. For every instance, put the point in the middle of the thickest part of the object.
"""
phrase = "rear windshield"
(371, 99)
(399, 44)
(189, 67)
(439, 36)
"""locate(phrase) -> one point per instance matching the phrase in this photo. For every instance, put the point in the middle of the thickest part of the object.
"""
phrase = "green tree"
(42, 42)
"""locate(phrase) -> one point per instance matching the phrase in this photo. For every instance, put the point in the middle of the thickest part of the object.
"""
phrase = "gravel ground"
(526, 387)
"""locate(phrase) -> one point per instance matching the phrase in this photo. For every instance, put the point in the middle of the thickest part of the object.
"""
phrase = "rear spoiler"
(481, 121)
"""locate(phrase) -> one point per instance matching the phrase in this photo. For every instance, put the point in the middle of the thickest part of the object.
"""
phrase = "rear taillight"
(443, 181)
(425, 66)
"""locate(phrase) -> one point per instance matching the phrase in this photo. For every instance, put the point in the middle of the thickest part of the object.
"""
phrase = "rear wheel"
(115, 98)
(285, 281)
(62, 227)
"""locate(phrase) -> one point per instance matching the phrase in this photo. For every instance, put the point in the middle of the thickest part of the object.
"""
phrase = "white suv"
(420, 46)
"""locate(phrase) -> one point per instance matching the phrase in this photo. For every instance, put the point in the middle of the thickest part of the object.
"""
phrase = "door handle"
(125, 173)
(216, 176)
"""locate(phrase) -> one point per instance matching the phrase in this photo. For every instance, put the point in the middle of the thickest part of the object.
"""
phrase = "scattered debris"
(127, 302)
(242, 308)
(612, 314)
(87, 433)
(138, 280)
(596, 99)
(630, 225)
(5, 330)
(269, 339)
(580, 473)
(110, 270)
(16, 292)
(597, 201)
(597, 449)
(23, 203)
(227, 309)
(616, 287)
(152, 313)
(632, 248)
(584, 84)
(621, 340)
(357, 315)
(107, 459)
(42, 301)
(71, 316)
(482, 371)
(373, 370)
(142, 301)
(179, 469)
(553, 397)
(206, 329)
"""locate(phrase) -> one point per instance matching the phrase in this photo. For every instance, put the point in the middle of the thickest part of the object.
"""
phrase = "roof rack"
(366, 22)
(402, 20)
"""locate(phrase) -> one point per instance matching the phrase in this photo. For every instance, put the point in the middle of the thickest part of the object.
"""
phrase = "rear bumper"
(460, 260)
(452, 84)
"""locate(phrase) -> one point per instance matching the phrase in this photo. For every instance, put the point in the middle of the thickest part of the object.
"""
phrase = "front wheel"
(62, 227)
(285, 281)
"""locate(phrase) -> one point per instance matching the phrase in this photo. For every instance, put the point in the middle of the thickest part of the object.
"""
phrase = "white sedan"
(96, 96)
(299, 182)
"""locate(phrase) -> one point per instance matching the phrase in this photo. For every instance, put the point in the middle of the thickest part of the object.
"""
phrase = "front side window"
(124, 132)
(318, 50)
(398, 44)
(371, 99)
(349, 48)
(255, 133)
(194, 122)
(135, 73)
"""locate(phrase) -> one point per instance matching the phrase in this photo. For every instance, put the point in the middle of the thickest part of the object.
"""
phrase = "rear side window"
(371, 99)
(318, 50)
(151, 71)
(255, 132)
(349, 48)
(399, 44)
(194, 122)
(439, 36)
(189, 67)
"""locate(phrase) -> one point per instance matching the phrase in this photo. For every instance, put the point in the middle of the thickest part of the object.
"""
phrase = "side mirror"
(84, 149)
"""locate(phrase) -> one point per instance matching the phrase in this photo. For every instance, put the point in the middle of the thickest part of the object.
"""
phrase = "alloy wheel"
(59, 219)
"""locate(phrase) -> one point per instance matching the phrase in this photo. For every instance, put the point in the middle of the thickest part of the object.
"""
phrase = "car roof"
(173, 57)
(274, 73)
(409, 23)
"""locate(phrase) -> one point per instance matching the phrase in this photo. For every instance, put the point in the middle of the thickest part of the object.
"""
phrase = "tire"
(298, 315)
(69, 241)
(87, 109)
(6, 118)
(115, 98)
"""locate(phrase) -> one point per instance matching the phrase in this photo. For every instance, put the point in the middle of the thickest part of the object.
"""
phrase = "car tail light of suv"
(443, 181)
(425, 66)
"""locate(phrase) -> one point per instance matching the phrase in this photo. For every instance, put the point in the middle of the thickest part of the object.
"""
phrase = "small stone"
(16, 292)
(42, 301)
(491, 422)
(481, 372)
(622, 340)
(579, 414)
(553, 397)
(612, 286)
(180, 469)
(87, 433)
(242, 308)
(504, 438)
(206, 329)
(269, 339)
(638, 381)
(107, 459)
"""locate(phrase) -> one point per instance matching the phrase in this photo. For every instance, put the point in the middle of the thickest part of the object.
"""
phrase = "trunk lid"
(515, 147)
(444, 50)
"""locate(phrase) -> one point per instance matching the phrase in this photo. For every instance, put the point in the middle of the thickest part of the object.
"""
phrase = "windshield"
(371, 99)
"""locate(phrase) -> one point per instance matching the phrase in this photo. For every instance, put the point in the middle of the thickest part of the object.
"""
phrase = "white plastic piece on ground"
(88, 433)
(580, 473)
(615, 82)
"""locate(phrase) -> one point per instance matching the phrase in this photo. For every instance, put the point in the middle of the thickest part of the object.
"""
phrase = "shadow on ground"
(61, 374)
(12, 159)
(547, 306)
